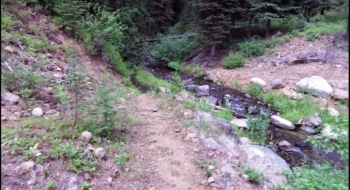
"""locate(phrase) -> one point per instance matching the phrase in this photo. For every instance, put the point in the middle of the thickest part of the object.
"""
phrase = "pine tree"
(215, 19)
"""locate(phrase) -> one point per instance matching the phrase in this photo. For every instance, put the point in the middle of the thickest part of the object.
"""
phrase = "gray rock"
(75, 183)
(49, 90)
(9, 49)
(190, 136)
(164, 90)
(181, 96)
(329, 131)
(211, 180)
(8, 96)
(313, 121)
(317, 85)
(209, 76)
(241, 123)
(282, 123)
(37, 112)
(277, 84)
(26, 166)
(86, 136)
(245, 141)
(284, 143)
(247, 96)
(333, 112)
(100, 152)
(308, 130)
(228, 169)
(211, 100)
(258, 81)
(12, 118)
(339, 94)
(202, 90)
(229, 142)
(211, 143)
(38, 173)
(264, 160)
(292, 94)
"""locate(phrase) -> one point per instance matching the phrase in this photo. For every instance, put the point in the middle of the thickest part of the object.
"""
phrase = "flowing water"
(301, 150)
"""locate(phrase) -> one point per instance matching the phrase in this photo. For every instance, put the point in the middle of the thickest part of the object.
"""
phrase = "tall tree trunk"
(250, 29)
(212, 52)
(268, 25)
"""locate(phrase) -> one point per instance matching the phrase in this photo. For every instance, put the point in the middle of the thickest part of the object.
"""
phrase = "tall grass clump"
(233, 60)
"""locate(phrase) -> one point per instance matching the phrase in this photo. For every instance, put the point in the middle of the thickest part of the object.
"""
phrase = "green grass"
(233, 60)
(146, 78)
(7, 21)
(254, 90)
(292, 110)
(253, 175)
(322, 177)
(123, 158)
(313, 30)
(34, 44)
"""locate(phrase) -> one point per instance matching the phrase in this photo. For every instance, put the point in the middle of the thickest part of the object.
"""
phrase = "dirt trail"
(169, 159)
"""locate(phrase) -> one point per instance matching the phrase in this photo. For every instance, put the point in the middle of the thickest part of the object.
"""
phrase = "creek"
(301, 151)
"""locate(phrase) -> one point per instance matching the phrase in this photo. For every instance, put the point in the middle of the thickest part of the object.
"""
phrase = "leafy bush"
(257, 129)
(322, 177)
(253, 175)
(175, 65)
(68, 14)
(293, 22)
(254, 47)
(7, 21)
(233, 60)
(254, 90)
(169, 49)
(102, 115)
(293, 110)
(280, 40)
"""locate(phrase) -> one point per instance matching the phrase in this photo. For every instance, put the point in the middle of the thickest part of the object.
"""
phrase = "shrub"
(102, 115)
(169, 49)
(7, 21)
(293, 22)
(233, 60)
(254, 47)
(253, 175)
(322, 177)
(257, 129)
(254, 90)
(175, 65)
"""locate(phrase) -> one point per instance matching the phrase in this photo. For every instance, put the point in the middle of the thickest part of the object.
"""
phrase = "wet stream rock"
(202, 90)
(282, 123)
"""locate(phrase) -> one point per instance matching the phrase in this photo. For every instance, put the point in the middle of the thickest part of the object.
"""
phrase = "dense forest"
(128, 27)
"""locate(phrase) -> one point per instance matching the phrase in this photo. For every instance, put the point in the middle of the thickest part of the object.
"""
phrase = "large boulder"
(264, 160)
(282, 123)
(202, 90)
(339, 94)
(315, 84)
(8, 96)
(258, 81)
(277, 84)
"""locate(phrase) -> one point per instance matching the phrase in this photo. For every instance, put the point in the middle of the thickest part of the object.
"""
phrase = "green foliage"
(293, 110)
(50, 185)
(233, 60)
(254, 90)
(85, 185)
(322, 177)
(293, 22)
(145, 78)
(7, 22)
(225, 114)
(173, 50)
(102, 115)
(253, 175)
(279, 40)
(252, 48)
(68, 14)
(175, 65)
(123, 158)
(257, 129)
(77, 85)
(34, 44)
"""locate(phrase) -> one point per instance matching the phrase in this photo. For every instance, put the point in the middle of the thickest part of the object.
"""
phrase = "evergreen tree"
(215, 19)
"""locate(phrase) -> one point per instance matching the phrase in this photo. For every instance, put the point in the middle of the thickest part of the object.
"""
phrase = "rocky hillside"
(68, 122)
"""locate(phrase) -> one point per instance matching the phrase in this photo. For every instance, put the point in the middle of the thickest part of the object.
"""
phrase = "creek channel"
(301, 152)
